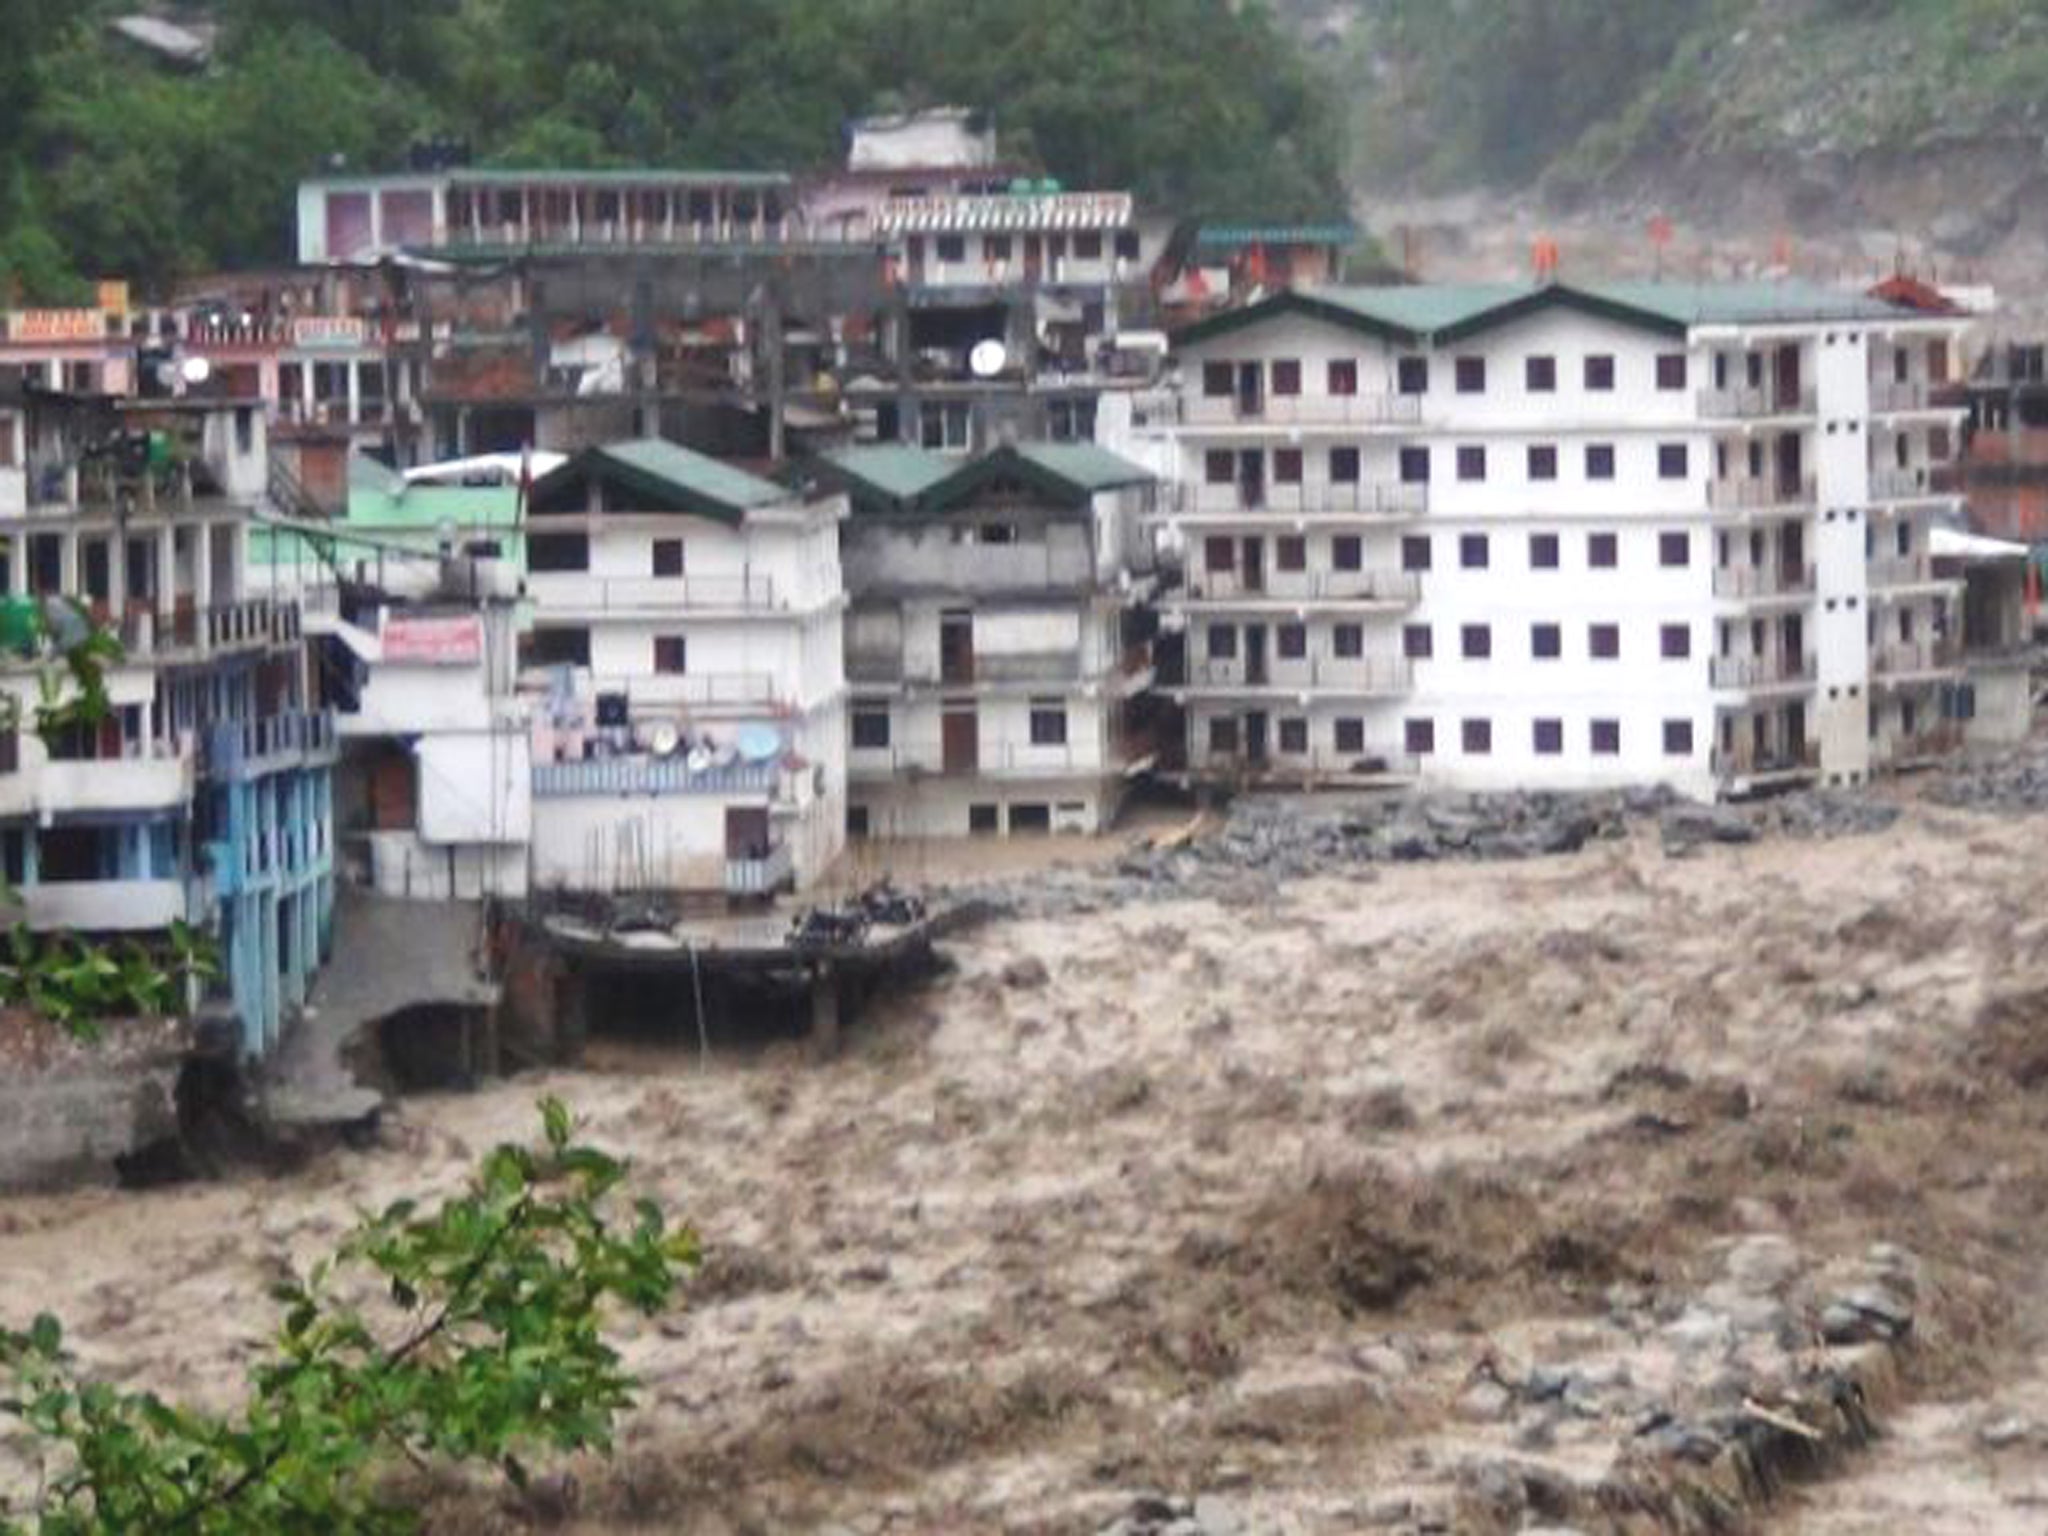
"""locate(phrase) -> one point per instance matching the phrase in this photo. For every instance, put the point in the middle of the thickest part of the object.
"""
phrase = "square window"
(1670, 370)
(1290, 552)
(1411, 375)
(857, 821)
(1344, 466)
(1600, 371)
(1219, 466)
(1218, 380)
(982, 819)
(1223, 734)
(1603, 551)
(1549, 737)
(1674, 641)
(1290, 642)
(1472, 463)
(1539, 374)
(1678, 734)
(1222, 642)
(670, 654)
(1418, 737)
(1543, 552)
(1546, 641)
(1415, 466)
(1476, 641)
(668, 557)
(1219, 553)
(1416, 642)
(1347, 552)
(1471, 375)
(1415, 552)
(1048, 723)
(1472, 553)
(1542, 461)
(1603, 641)
(1671, 461)
(1606, 738)
(870, 726)
(1599, 461)
(1294, 736)
(1348, 640)
(1350, 734)
(1674, 549)
(950, 248)
(1287, 466)
(1476, 736)
(1286, 376)
(1343, 376)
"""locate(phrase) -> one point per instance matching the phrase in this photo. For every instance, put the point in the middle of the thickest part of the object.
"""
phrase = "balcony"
(1910, 661)
(1752, 763)
(1917, 483)
(1376, 410)
(1888, 396)
(104, 906)
(1338, 676)
(1757, 674)
(567, 593)
(1915, 570)
(1754, 583)
(159, 780)
(1291, 589)
(1370, 498)
(1001, 760)
(745, 691)
(1924, 746)
(1323, 766)
(762, 876)
(238, 749)
(1756, 402)
(641, 774)
(1763, 493)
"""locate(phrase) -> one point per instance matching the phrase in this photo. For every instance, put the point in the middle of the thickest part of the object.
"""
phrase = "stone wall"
(69, 1109)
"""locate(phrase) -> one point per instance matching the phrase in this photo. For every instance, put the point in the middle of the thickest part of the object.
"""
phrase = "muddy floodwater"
(1432, 1197)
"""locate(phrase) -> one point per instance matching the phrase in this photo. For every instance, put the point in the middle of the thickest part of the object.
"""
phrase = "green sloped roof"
(1067, 474)
(1084, 465)
(669, 477)
(890, 474)
(1217, 236)
(1443, 313)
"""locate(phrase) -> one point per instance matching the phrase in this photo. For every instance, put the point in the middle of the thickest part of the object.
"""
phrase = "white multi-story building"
(684, 664)
(1562, 535)
(994, 638)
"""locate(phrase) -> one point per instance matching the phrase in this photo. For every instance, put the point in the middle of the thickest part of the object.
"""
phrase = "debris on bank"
(2013, 781)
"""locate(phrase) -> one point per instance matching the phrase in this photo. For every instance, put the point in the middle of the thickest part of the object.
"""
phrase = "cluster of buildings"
(547, 535)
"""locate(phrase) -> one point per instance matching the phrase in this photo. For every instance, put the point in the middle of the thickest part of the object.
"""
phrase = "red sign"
(57, 325)
(451, 642)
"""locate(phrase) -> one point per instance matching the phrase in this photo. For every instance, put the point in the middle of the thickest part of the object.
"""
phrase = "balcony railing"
(760, 876)
(642, 774)
(1893, 484)
(1283, 768)
(1751, 401)
(1369, 410)
(1909, 658)
(1892, 395)
(1902, 570)
(1344, 675)
(1749, 762)
(235, 748)
(575, 591)
(1763, 491)
(1934, 741)
(1365, 586)
(704, 690)
(988, 760)
(1749, 672)
(1309, 499)
(1761, 581)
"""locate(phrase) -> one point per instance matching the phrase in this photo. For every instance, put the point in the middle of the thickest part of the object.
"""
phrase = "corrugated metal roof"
(894, 470)
(1086, 465)
(1001, 212)
(622, 176)
(1753, 303)
(693, 473)
(1232, 236)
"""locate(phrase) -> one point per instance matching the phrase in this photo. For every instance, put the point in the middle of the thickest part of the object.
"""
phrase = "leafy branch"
(489, 1348)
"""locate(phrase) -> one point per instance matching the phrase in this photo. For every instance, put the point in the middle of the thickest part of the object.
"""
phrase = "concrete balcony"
(567, 594)
(1765, 493)
(1295, 590)
(183, 632)
(762, 876)
(243, 749)
(1756, 402)
(1923, 482)
(1901, 663)
(989, 760)
(1901, 571)
(104, 906)
(1923, 747)
(1755, 583)
(642, 774)
(1749, 765)
(743, 691)
(1762, 674)
(159, 782)
(1306, 770)
(1333, 411)
(1309, 499)
(1299, 679)
(1894, 397)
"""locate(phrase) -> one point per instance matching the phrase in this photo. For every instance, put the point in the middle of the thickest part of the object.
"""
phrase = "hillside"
(1859, 129)
(114, 160)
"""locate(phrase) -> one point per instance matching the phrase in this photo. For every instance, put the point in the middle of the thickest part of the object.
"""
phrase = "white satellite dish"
(195, 370)
(699, 760)
(664, 740)
(987, 358)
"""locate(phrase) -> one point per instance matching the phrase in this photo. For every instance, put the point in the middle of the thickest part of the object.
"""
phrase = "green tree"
(487, 1347)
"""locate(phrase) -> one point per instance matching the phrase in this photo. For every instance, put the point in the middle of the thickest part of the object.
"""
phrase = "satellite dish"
(195, 370)
(664, 740)
(987, 358)
(698, 761)
(759, 743)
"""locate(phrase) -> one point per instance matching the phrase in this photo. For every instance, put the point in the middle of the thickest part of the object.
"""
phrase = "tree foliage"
(113, 164)
(487, 1346)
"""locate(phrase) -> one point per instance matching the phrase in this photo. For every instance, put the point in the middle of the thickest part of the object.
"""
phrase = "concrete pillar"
(824, 1011)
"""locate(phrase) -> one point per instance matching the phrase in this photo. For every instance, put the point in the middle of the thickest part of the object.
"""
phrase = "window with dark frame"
(1599, 461)
(1048, 723)
(1349, 734)
(1546, 641)
(1415, 466)
(1470, 373)
(1219, 466)
(1219, 380)
(1290, 642)
(1543, 552)
(1411, 375)
(1415, 552)
(1343, 376)
(1543, 461)
(1606, 738)
(870, 726)
(1600, 371)
(1472, 551)
(1418, 737)
(668, 557)
(1287, 466)
(1674, 641)
(1219, 553)
(1290, 552)
(1548, 737)
(1294, 736)
(1539, 375)
(1472, 462)
(1672, 461)
(1674, 549)
(1347, 641)
(1417, 642)
(1670, 370)
(671, 654)
(1286, 375)
(1475, 642)
(1603, 641)
(1678, 738)
(1347, 552)
(1603, 551)
(1343, 466)
(1476, 737)
(1222, 642)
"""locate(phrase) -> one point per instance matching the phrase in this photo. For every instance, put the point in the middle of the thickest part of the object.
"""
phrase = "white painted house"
(994, 638)
(1562, 536)
(684, 667)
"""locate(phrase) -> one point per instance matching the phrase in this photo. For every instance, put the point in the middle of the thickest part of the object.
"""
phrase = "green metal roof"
(669, 477)
(1234, 235)
(1083, 465)
(887, 476)
(1441, 313)
(1067, 474)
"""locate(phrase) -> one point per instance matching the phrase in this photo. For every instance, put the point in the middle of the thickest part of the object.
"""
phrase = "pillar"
(825, 1011)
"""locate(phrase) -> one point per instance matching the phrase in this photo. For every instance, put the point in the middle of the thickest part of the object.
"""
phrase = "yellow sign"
(57, 325)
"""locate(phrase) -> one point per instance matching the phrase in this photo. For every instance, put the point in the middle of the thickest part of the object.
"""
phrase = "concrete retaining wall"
(69, 1109)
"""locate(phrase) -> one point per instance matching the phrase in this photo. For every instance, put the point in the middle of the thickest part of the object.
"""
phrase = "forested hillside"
(113, 162)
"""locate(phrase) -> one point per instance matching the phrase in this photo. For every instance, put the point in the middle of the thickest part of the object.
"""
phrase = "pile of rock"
(2015, 780)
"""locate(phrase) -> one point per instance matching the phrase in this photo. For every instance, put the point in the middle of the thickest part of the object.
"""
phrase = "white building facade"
(1562, 537)
(684, 668)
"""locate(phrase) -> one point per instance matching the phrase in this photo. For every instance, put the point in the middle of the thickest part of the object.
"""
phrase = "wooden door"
(956, 647)
(746, 832)
(959, 740)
